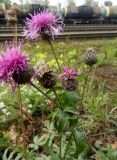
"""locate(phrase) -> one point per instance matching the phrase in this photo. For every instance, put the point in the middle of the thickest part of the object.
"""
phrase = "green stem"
(54, 55)
(56, 96)
(75, 141)
(22, 123)
(60, 149)
(40, 91)
(84, 88)
(68, 144)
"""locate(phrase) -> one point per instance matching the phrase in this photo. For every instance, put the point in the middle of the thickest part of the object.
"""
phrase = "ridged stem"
(60, 148)
(56, 96)
(38, 89)
(75, 141)
(85, 84)
(54, 55)
(68, 144)
(22, 123)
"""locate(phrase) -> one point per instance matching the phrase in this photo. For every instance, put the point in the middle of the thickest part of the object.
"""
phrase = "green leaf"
(72, 116)
(56, 88)
(19, 156)
(70, 113)
(54, 156)
(61, 122)
(33, 146)
(36, 139)
(80, 142)
(69, 99)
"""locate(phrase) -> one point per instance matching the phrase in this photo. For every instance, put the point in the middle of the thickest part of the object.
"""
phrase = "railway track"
(70, 31)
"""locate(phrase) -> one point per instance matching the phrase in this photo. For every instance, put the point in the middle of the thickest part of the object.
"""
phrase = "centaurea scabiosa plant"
(69, 81)
(45, 24)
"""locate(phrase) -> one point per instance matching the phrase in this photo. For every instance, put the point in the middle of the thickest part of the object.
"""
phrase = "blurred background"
(71, 11)
(63, 2)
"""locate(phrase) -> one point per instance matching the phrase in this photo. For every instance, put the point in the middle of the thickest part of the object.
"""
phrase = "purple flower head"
(69, 81)
(69, 73)
(13, 62)
(45, 23)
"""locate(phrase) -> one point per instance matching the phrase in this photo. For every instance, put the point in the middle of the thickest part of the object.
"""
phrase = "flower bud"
(45, 75)
(23, 77)
(90, 56)
(68, 77)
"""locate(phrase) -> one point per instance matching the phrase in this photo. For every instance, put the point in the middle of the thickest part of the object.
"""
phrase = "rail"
(70, 31)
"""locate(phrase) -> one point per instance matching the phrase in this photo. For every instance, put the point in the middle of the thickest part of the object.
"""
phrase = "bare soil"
(108, 74)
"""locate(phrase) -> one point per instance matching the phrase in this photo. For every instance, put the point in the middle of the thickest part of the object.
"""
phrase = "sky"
(78, 2)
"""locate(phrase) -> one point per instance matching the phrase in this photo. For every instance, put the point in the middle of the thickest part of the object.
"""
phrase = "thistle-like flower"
(90, 56)
(69, 81)
(45, 75)
(46, 23)
(14, 66)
